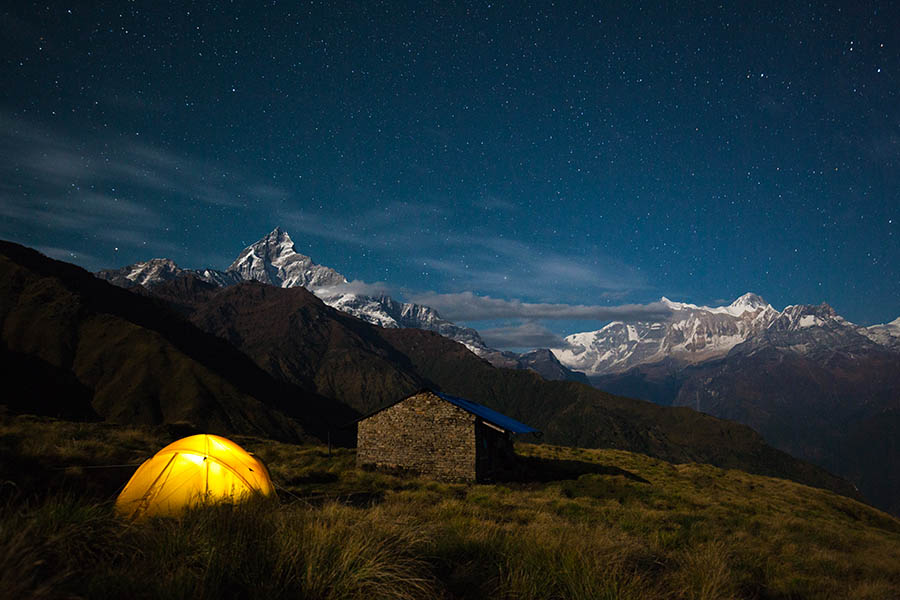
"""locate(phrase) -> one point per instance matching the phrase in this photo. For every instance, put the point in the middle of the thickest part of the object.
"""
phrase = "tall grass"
(20, 561)
(550, 560)
(255, 550)
(704, 573)
(646, 529)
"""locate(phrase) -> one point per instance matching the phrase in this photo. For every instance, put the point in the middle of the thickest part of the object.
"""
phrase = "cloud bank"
(379, 288)
(466, 306)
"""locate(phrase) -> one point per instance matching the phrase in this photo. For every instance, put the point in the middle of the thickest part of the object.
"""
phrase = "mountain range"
(697, 334)
(274, 260)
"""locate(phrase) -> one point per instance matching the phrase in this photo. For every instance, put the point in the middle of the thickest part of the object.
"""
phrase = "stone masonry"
(424, 435)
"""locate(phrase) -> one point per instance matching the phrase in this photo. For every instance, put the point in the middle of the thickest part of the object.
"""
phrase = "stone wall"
(422, 434)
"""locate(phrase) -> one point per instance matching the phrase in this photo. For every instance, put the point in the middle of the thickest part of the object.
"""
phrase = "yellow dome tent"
(194, 470)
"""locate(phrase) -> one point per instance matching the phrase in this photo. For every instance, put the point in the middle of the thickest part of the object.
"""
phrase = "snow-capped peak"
(748, 301)
(155, 269)
(278, 241)
(275, 260)
(273, 247)
(672, 305)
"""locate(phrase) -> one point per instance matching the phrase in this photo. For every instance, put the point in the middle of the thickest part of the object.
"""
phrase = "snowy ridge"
(886, 334)
(155, 269)
(747, 302)
(158, 270)
(692, 334)
(387, 312)
(695, 334)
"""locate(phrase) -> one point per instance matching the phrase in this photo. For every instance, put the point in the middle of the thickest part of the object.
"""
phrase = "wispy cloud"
(478, 260)
(78, 211)
(354, 287)
(321, 226)
(265, 191)
(87, 170)
(523, 335)
(466, 306)
(104, 192)
(399, 226)
(491, 203)
(124, 190)
(506, 267)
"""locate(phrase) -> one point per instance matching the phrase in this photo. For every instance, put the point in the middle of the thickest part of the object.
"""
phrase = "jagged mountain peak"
(823, 311)
(164, 267)
(159, 261)
(275, 260)
(278, 238)
(749, 301)
(275, 245)
(142, 273)
(670, 304)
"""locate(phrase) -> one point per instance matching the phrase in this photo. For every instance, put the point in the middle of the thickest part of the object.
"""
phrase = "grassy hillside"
(582, 524)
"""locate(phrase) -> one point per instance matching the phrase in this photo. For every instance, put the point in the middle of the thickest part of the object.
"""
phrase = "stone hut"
(439, 436)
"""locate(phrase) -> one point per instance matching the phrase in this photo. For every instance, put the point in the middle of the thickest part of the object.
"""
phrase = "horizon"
(536, 324)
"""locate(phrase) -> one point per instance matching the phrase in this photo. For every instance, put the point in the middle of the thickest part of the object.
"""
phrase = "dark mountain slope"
(291, 334)
(295, 337)
(141, 362)
(834, 410)
(838, 407)
(543, 362)
(36, 387)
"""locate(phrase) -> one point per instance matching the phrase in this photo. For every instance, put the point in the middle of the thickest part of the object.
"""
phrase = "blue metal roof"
(488, 414)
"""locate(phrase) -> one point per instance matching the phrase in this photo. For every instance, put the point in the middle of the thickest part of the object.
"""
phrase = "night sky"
(572, 153)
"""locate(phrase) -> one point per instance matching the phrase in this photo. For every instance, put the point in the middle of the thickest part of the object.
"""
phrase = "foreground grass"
(604, 524)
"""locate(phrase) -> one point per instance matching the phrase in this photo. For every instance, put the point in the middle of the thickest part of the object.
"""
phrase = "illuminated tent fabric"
(194, 470)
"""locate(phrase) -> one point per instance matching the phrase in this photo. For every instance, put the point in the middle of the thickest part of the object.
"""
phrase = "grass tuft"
(704, 573)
